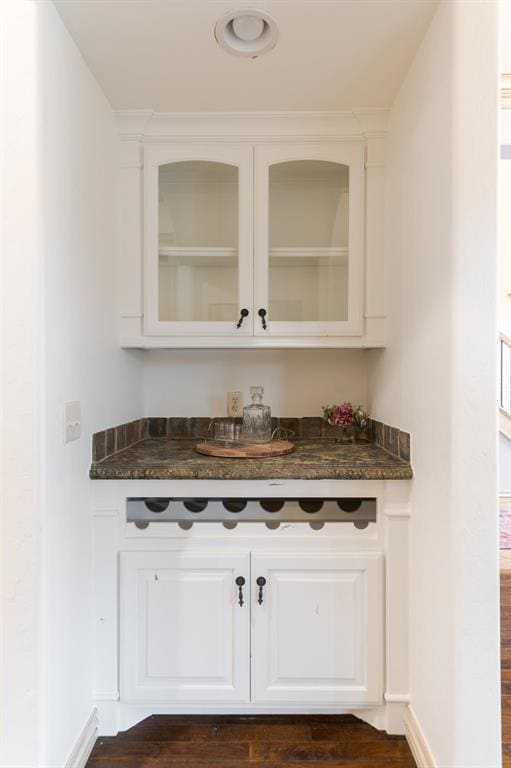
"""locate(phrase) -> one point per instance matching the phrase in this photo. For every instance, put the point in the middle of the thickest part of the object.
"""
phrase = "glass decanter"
(257, 418)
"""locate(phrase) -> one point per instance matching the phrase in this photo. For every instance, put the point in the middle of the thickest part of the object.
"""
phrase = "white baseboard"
(84, 743)
(417, 741)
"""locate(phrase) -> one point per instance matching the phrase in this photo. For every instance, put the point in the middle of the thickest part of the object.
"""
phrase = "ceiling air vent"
(247, 32)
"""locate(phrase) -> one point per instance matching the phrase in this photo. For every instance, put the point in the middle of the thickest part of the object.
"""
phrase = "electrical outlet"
(235, 404)
(72, 421)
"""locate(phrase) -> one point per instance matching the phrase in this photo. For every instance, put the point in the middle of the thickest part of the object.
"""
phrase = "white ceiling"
(331, 54)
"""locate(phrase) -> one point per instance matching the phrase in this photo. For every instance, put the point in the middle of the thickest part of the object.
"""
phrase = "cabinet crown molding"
(349, 125)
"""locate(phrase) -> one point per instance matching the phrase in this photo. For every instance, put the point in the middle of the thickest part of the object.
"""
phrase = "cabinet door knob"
(261, 581)
(262, 314)
(243, 314)
(240, 581)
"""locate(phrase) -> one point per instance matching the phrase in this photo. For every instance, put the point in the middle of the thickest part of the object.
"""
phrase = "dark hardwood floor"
(505, 646)
(269, 741)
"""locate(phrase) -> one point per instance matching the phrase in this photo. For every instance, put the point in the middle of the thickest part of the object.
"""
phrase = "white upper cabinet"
(308, 238)
(252, 242)
(198, 240)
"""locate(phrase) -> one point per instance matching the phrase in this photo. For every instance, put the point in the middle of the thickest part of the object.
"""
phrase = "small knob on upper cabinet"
(262, 314)
(243, 314)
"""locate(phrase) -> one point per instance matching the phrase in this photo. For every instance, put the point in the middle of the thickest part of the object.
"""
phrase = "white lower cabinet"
(310, 630)
(184, 636)
(317, 635)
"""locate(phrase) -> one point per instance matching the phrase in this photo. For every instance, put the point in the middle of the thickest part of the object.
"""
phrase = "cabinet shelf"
(305, 257)
(197, 256)
(203, 255)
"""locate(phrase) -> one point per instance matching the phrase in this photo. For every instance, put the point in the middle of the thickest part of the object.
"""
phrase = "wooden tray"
(247, 451)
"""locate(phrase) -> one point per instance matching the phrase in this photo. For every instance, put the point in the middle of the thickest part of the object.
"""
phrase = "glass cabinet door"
(308, 257)
(199, 244)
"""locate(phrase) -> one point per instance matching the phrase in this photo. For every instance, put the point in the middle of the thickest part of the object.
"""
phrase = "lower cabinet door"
(184, 635)
(317, 629)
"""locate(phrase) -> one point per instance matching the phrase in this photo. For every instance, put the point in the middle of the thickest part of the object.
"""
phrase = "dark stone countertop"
(323, 459)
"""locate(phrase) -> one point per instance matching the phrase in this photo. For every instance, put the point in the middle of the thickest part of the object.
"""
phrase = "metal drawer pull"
(240, 581)
(261, 581)
(243, 315)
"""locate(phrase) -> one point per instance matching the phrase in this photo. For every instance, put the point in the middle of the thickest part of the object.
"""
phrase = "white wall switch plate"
(72, 421)
(235, 404)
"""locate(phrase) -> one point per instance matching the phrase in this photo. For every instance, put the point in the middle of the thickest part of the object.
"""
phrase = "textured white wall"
(20, 403)
(82, 360)
(505, 36)
(473, 420)
(296, 382)
(432, 379)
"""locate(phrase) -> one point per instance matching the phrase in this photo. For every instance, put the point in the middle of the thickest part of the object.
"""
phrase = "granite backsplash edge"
(108, 442)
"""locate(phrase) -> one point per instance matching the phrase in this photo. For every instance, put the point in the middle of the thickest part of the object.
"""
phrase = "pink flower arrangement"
(345, 415)
(342, 415)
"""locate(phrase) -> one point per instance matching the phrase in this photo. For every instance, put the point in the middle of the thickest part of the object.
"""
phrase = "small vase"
(344, 435)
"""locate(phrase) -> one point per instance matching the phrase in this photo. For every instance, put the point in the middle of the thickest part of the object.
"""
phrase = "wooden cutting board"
(247, 451)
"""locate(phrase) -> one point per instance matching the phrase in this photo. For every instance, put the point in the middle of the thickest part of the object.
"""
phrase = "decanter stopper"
(256, 393)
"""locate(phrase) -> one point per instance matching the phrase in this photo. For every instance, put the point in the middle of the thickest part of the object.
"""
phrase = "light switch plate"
(72, 421)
